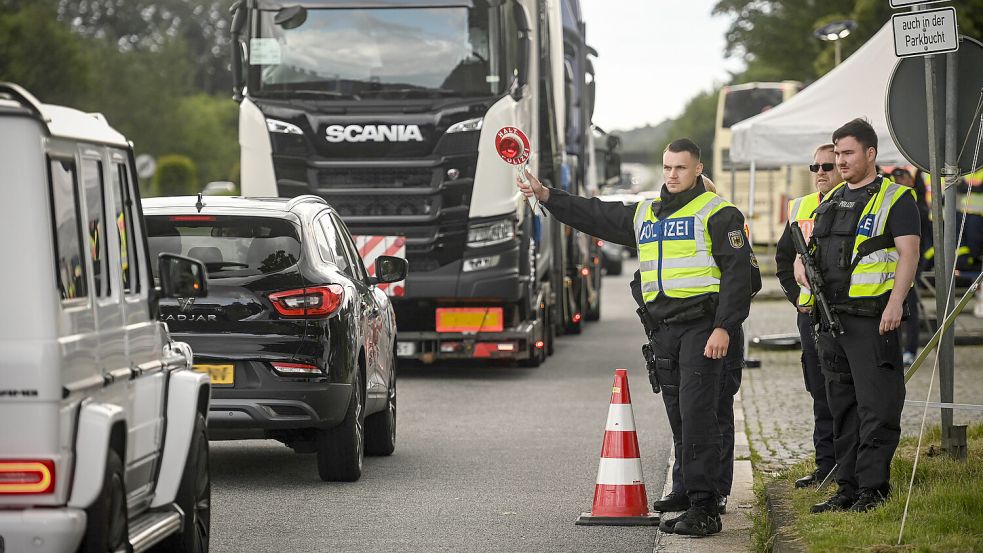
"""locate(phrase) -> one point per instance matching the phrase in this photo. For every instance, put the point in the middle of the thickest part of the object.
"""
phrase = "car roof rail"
(294, 202)
(23, 97)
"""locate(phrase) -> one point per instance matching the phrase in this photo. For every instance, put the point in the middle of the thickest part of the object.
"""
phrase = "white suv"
(103, 444)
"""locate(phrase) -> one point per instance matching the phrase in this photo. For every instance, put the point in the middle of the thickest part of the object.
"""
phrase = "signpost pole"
(950, 231)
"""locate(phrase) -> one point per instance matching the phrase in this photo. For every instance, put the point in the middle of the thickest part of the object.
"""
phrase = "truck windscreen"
(743, 104)
(386, 53)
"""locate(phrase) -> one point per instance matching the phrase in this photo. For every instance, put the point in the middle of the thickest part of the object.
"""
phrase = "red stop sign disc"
(512, 145)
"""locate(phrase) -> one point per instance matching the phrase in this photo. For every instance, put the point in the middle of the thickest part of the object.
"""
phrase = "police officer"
(696, 282)
(867, 248)
(801, 210)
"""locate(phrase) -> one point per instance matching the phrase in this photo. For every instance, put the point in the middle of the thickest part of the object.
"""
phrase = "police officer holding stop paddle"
(696, 282)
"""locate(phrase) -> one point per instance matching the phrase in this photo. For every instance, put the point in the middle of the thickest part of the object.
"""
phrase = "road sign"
(146, 166)
(908, 3)
(925, 32)
(906, 101)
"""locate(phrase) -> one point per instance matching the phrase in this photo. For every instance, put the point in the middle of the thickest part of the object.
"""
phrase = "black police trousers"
(822, 433)
(691, 394)
(730, 383)
(866, 391)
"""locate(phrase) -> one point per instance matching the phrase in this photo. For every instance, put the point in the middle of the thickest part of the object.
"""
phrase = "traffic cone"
(619, 496)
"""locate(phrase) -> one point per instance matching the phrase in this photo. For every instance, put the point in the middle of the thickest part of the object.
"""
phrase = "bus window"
(744, 104)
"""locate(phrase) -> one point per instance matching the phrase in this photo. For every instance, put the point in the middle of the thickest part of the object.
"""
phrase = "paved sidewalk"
(736, 533)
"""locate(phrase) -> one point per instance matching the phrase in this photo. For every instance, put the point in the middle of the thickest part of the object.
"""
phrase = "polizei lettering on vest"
(667, 229)
(373, 133)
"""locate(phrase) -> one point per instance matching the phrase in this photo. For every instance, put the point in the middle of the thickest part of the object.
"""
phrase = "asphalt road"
(488, 458)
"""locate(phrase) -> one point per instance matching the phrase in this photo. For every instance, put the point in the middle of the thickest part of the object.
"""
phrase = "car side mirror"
(612, 166)
(181, 277)
(389, 269)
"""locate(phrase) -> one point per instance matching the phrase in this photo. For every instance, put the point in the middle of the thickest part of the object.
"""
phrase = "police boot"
(668, 525)
(699, 520)
(839, 502)
(814, 478)
(671, 503)
(868, 499)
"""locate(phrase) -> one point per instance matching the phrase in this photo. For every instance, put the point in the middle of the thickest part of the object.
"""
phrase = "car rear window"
(229, 246)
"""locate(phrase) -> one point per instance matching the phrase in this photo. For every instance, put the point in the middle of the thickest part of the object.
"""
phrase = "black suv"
(297, 337)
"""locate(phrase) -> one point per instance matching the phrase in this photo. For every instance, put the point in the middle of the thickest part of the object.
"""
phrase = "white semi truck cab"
(389, 110)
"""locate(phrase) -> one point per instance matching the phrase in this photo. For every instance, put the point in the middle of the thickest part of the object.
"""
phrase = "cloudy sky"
(654, 55)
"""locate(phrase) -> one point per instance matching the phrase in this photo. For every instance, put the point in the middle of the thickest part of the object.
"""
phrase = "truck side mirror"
(291, 17)
(525, 51)
(181, 277)
(612, 166)
(238, 52)
(389, 269)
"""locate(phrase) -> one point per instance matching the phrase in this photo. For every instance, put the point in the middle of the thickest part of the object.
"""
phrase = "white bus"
(774, 185)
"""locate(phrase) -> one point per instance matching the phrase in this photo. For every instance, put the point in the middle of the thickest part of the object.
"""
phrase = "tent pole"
(750, 195)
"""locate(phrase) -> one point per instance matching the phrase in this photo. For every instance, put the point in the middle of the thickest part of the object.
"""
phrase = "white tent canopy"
(790, 133)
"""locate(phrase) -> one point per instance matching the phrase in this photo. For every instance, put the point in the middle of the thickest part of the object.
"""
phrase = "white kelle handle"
(533, 202)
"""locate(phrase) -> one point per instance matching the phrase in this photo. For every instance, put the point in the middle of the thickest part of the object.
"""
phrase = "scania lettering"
(397, 131)
(374, 133)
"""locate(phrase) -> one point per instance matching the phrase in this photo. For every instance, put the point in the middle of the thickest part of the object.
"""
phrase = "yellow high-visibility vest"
(802, 211)
(675, 253)
(874, 275)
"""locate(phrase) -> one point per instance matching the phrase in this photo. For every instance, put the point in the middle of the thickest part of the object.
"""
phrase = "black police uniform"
(685, 324)
(863, 369)
(730, 383)
(822, 434)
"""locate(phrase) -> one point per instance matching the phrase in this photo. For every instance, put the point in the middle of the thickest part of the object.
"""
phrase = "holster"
(651, 364)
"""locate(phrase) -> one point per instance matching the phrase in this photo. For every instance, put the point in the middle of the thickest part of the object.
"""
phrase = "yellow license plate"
(221, 374)
(469, 319)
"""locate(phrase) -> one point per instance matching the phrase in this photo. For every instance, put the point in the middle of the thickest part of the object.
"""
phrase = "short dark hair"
(860, 129)
(684, 145)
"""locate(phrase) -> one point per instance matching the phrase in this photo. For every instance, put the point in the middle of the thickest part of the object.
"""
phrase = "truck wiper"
(308, 93)
(420, 91)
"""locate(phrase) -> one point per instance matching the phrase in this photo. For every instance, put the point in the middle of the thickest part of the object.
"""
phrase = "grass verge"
(946, 512)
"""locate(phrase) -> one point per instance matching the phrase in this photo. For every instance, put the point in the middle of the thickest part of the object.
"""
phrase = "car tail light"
(27, 477)
(295, 369)
(576, 318)
(600, 243)
(314, 301)
(189, 218)
(585, 271)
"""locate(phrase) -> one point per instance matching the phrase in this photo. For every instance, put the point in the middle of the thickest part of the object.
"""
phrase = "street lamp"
(834, 31)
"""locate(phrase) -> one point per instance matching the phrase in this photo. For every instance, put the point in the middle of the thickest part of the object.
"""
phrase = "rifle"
(827, 317)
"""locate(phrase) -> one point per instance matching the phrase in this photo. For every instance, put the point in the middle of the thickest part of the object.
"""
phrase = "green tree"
(209, 135)
(176, 176)
(696, 123)
(776, 37)
(42, 55)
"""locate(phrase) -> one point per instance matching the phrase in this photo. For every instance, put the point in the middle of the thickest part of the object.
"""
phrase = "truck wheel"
(340, 450)
(594, 311)
(577, 306)
(194, 497)
(380, 428)
(106, 526)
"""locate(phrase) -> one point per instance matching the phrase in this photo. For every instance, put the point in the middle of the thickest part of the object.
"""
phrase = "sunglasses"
(825, 167)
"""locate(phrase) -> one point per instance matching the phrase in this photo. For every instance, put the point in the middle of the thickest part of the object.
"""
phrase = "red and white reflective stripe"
(371, 247)
(619, 472)
(620, 418)
(620, 445)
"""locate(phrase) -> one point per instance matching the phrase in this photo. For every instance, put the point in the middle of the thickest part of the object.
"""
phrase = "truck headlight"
(481, 263)
(466, 125)
(491, 233)
(275, 125)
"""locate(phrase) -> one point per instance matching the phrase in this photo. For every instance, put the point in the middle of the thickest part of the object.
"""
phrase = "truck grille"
(349, 205)
(375, 177)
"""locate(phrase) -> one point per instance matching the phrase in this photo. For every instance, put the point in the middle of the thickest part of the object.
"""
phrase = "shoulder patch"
(736, 239)
(754, 261)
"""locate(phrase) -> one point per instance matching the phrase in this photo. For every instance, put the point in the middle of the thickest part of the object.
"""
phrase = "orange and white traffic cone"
(619, 496)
